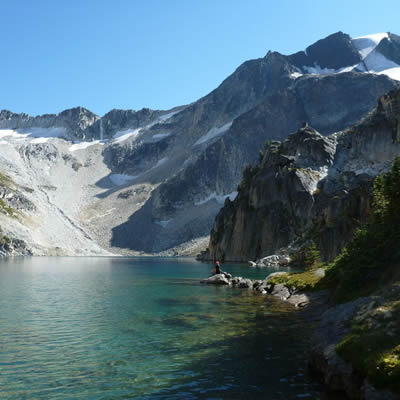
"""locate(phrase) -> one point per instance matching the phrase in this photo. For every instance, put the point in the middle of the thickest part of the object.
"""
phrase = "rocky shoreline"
(333, 324)
(265, 287)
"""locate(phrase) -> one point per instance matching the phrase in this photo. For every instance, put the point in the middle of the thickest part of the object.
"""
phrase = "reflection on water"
(117, 328)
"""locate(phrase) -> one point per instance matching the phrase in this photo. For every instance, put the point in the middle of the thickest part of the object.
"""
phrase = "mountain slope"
(164, 175)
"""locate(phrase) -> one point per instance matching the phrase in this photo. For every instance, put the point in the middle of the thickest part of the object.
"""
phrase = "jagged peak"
(332, 52)
(304, 131)
(79, 110)
(5, 114)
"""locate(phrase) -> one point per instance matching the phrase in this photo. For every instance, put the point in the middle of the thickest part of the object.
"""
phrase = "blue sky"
(103, 54)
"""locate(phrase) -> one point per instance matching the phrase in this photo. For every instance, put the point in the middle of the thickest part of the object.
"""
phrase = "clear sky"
(105, 54)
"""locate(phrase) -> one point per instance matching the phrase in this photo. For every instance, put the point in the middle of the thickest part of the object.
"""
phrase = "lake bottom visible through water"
(145, 328)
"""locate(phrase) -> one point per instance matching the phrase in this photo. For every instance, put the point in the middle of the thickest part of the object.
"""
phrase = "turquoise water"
(144, 328)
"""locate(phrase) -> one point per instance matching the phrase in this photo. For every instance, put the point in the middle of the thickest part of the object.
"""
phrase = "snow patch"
(125, 134)
(317, 70)
(376, 62)
(163, 223)
(40, 140)
(43, 132)
(366, 44)
(187, 162)
(220, 199)
(83, 145)
(393, 73)
(9, 132)
(164, 117)
(4, 142)
(373, 61)
(33, 133)
(213, 133)
(160, 136)
(121, 179)
(295, 75)
(160, 162)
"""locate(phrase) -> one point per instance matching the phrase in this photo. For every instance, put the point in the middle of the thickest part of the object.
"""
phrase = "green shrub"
(248, 174)
(373, 255)
(306, 257)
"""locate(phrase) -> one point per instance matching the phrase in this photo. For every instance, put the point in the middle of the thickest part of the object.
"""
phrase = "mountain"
(151, 180)
(309, 187)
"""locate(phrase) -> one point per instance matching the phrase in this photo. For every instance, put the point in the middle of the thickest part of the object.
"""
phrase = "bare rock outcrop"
(304, 186)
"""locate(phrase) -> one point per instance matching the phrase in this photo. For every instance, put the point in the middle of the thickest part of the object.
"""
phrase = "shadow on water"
(259, 355)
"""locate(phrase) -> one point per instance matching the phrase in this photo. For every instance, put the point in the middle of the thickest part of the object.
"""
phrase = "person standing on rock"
(217, 268)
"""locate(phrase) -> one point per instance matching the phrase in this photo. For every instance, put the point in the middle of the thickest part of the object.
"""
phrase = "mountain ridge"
(187, 160)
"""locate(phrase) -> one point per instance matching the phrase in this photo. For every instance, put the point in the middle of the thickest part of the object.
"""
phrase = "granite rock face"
(309, 185)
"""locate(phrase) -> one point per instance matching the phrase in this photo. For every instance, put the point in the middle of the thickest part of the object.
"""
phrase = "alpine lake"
(145, 328)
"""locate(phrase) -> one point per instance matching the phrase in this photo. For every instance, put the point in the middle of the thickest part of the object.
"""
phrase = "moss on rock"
(372, 345)
(309, 280)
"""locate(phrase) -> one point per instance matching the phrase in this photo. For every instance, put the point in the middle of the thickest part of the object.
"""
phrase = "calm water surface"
(144, 328)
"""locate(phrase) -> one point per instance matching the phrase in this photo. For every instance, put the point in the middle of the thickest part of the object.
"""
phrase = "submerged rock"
(245, 284)
(280, 291)
(236, 280)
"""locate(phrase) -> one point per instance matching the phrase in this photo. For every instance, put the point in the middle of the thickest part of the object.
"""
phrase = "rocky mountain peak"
(333, 52)
(389, 47)
(77, 112)
(309, 148)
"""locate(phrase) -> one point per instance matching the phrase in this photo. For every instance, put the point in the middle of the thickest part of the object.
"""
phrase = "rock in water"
(218, 279)
(245, 284)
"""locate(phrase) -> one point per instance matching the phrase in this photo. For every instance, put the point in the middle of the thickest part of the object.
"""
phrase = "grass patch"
(309, 280)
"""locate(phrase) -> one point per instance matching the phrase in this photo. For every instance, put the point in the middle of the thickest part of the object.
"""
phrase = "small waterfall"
(101, 130)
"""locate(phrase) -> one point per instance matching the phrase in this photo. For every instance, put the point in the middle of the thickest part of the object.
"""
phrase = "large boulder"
(218, 279)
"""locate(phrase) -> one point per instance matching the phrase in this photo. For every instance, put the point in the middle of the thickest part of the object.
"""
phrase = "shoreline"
(333, 323)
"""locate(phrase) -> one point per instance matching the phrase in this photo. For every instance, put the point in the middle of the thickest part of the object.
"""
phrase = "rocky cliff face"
(190, 159)
(72, 123)
(309, 186)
